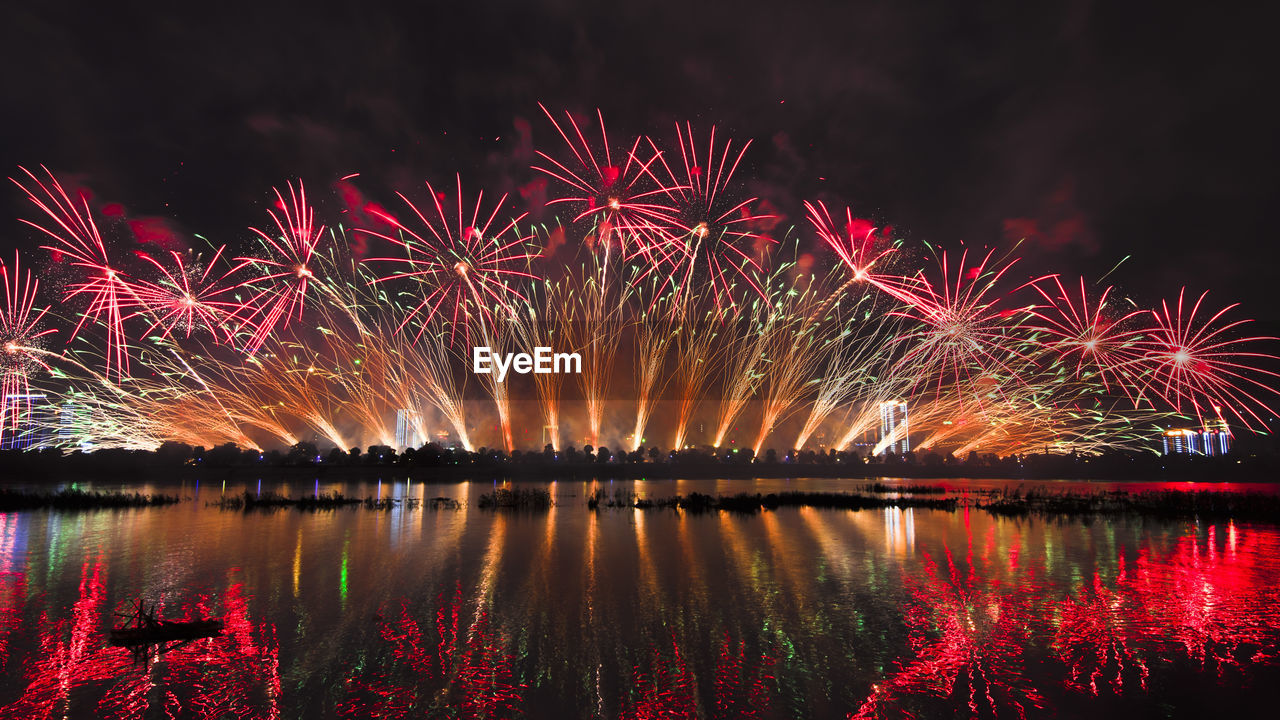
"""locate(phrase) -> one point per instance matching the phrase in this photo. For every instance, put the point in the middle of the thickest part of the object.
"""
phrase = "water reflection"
(633, 614)
(73, 673)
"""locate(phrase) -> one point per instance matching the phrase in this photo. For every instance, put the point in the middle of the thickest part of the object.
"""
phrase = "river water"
(568, 613)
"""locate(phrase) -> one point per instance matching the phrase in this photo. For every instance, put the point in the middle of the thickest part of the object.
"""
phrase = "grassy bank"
(11, 500)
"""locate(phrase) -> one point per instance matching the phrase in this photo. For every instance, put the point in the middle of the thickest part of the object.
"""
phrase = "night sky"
(1094, 130)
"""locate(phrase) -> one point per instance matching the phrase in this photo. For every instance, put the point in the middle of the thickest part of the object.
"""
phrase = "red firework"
(20, 341)
(1205, 365)
(712, 224)
(966, 334)
(76, 238)
(1089, 334)
(627, 205)
(859, 247)
(464, 267)
(282, 279)
(183, 299)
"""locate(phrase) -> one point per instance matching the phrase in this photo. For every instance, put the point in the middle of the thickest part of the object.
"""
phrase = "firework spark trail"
(788, 356)
(500, 337)
(863, 351)
(208, 406)
(360, 377)
(281, 278)
(361, 334)
(249, 402)
(655, 329)
(461, 266)
(432, 364)
(293, 372)
(626, 206)
(694, 360)
(800, 336)
(593, 321)
(402, 388)
(711, 222)
(966, 336)
(537, 328)
(865, 408)
(77, 238)
(743, 352)
(864, 254)
(1204, 364)
(110, 416)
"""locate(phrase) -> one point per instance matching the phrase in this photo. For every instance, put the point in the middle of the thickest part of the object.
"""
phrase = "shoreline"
(1016, 502)
(1251, 470)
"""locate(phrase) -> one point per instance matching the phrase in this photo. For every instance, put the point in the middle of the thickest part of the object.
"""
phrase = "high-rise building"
(72, 420)
(407, 435)
(26, 422)
(1180, 442)
(894, 431)
(1206, 441)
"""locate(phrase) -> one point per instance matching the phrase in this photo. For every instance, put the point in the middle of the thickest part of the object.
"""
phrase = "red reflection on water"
(75, 674)
(664, 688)
(471, 673)
(1096, 640)
(70, 653)
(236, 675)
(968, 634)
(744, 683)
(1209, 599)
(663, 685)
(1213, 597)
(13, 585)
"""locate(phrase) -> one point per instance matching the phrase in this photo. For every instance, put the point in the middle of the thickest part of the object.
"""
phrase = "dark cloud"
(1096, 130)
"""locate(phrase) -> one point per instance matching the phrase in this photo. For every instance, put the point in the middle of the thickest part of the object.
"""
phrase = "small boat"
(143, 629)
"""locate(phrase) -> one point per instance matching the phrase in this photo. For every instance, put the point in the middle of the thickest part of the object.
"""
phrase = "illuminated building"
(1207, 441)
(72, 422)
(407, 429)
(27, 422)
(894, 430)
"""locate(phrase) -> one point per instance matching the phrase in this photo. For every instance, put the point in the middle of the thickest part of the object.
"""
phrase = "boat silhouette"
(142, 629)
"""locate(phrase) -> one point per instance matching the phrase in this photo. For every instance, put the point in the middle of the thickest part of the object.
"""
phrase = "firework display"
(695, 326)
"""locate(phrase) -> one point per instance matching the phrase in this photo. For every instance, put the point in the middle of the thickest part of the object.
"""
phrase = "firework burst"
(1090, 337)
(284, 272)
(21, 341)
(1202, 363)
(713, 239)
(463, 264)
(615, 190)
(966, 335)
(185, 298)
(77, 240)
